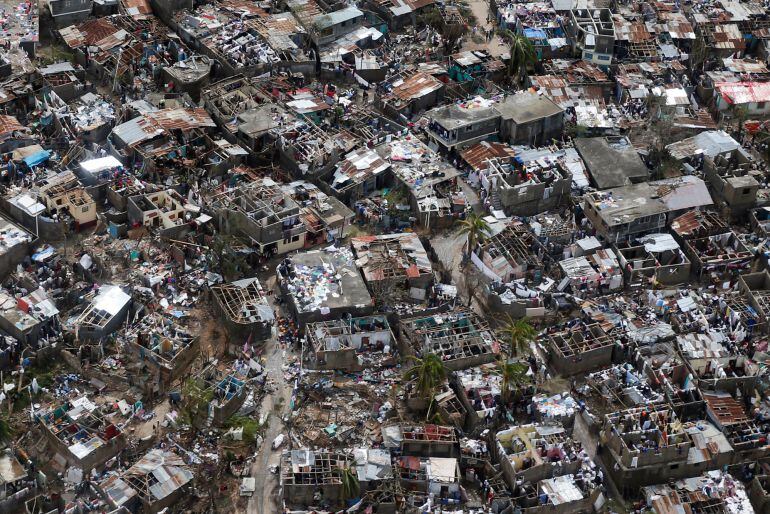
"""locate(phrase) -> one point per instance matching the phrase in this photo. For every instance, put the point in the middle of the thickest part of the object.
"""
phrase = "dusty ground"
(212, 333)
(148, 427)
(497, 46)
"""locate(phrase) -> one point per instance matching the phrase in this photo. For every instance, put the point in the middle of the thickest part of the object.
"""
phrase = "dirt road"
(265, 497)
(496, 47)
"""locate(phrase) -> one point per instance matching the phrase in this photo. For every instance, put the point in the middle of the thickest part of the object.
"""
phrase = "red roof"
(477, 155)
(737, 93)
(96, 30)
(9, 124)
(365, 239)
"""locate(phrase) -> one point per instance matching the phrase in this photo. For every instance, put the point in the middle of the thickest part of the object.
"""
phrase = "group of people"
(488, 33)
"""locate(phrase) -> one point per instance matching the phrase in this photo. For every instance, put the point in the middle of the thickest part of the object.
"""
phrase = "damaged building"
(80, 436)
(351, 344)
(245, 310)
(460, 339)
(322, 285)
(261, 212)
(634, 210)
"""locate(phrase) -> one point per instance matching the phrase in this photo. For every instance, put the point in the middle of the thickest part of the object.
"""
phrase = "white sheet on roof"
(100, 164)
(111, 299)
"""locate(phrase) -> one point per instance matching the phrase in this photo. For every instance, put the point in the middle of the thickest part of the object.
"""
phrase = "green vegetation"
(396, 196)
(195, 401)
(518, 333)
(350, 486)
(429, 372)
(514, 376)
(522, 55)
(477, 230)
(251, 427)
(433, 415)
(6, 432)
(223, 259)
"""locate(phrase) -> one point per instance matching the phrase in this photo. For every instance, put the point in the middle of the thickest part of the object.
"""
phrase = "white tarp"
(100, 164)
(656, 243)
(111, 299)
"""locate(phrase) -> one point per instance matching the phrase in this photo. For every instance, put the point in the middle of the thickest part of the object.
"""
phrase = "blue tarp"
(44, 254)
(36, 158)
(535, 34)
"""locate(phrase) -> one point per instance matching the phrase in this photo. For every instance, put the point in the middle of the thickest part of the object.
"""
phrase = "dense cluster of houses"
(384, 256)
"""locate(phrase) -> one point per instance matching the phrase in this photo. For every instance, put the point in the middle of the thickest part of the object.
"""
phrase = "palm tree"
(429, 372)
(740, 114)
(522, 55)
(519, 333)
(349, 479)
(6, 432)
(433, 415)
(477, 230)
(760, 138)
(514, 375)
(450, 32)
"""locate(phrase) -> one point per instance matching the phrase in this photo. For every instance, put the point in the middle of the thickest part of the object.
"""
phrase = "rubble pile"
(384, 256)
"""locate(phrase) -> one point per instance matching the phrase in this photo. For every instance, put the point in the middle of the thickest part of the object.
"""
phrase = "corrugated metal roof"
(701, 118)
(418, 4)
(137, 130)
(118, 491)
(634, 32)
(112, 40)
(59, 67)
(698, 223)
(156, 123)
(327, 20)
(416, 85)
(282, 23)
(677, 25)
(357, 167)
(166, 467)
(72, 36)
(375, 254)
(577, 72)
(728, 36)
(9, 124)
(710, 143)
(137, 9)
(468, 57)
(682, 192)
(727, 410)
(90, 32)
(243, 6)
(745, 66)
(10, 469)
(737, 93)
(181, 118)
(432, 68)
(303, 102)
(477, 155)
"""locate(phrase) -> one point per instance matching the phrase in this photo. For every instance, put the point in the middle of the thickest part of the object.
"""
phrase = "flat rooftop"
(458, 115)
(612, 162)
(12, 235)
(325, 280)
(624, 204)
(527, 107)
